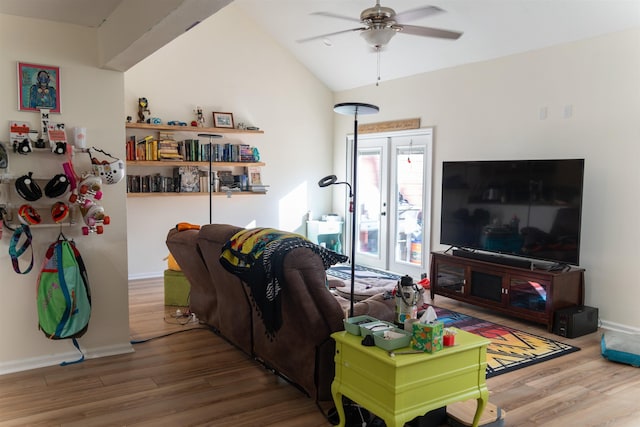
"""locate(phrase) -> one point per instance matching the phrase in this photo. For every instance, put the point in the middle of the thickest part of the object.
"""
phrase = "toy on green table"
(95, 218)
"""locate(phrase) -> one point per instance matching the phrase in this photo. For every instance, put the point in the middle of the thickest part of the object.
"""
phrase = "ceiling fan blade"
(430, 32)
(322, 36)
(413, 14)
(335, 15)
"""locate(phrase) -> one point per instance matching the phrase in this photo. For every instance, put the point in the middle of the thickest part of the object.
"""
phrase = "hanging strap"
(77, 346)
(16, 252)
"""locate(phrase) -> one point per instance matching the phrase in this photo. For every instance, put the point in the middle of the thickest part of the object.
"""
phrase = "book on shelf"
(168, 147)
(188, 178)
(205, 183)
(131, 148)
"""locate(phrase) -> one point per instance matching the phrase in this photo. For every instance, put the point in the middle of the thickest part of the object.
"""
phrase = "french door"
(393, 198)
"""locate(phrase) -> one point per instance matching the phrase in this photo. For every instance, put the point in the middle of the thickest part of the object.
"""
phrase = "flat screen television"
(526, 208)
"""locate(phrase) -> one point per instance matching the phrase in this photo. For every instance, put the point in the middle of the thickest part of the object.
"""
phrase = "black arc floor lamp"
(355, 109)
(210, 136)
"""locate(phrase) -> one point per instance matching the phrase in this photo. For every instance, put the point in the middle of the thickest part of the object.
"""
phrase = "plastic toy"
(199, 117)
(143, 107)
(95, 218)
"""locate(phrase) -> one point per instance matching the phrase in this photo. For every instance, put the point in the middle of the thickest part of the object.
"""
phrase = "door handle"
(383, 213)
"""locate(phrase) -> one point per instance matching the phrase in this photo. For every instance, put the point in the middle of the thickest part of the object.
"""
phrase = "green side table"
(398, 389)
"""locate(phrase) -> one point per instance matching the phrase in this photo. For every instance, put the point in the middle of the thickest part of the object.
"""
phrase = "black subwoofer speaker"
(573, 322)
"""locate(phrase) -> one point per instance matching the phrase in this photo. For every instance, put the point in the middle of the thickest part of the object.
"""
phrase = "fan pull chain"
(378, 53)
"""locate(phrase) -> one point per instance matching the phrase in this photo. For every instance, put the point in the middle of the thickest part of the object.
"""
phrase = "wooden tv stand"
(530, 294)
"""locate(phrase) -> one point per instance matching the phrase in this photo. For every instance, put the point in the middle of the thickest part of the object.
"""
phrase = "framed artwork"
(38, 87)
(254, 175)
(223, 120)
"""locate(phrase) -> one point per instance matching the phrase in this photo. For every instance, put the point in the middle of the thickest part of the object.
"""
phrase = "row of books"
(191, 150)
(191, 179)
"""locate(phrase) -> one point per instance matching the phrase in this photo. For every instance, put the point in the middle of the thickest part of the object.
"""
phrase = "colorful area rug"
(510, 348)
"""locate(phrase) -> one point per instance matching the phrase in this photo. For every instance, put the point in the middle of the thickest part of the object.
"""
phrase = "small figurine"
(199, 117)
(143, 107)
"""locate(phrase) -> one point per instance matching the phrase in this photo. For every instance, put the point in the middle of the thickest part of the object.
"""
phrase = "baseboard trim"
(58, 358)
(142, 276)
(619, 327)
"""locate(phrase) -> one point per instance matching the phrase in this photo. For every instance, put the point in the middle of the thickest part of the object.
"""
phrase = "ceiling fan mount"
(377, 13)
(378, 24)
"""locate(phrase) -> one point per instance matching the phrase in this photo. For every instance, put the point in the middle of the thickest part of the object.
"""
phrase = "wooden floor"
(196, 378)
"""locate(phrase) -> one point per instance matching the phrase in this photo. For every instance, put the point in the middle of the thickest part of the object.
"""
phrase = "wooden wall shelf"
(200, 193)
(161, 163)
(189, 129)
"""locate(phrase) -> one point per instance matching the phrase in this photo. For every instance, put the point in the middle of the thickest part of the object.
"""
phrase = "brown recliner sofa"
(301, 350)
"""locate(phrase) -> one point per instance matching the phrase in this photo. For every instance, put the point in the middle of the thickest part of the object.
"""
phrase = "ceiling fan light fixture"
(378, 37)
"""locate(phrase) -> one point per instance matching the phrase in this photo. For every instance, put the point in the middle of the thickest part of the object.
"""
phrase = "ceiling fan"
(378, 24)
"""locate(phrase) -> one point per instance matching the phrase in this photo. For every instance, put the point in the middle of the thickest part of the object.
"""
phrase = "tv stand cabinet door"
(531, 297)
(449, 278)
(488, 286)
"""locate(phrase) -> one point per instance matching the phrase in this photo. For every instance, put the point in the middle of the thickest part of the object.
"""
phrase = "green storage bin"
(176, 288)
(352, 324)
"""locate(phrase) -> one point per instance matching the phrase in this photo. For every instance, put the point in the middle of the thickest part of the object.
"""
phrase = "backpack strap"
(15, 252)
(77, 346)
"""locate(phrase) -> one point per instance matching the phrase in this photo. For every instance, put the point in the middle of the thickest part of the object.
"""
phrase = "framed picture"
(223, 120)
(255, 177)
(38, 87)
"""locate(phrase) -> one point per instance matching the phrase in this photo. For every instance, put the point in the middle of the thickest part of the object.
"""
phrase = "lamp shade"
(378, 37)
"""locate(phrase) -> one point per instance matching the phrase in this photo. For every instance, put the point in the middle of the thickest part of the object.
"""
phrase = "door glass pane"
(369, 189)
(409, 199)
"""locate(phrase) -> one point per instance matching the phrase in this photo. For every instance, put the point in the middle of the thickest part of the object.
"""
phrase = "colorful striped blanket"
(256, 256)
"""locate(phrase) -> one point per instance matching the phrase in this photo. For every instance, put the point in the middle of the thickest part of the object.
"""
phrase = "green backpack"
(64, 298)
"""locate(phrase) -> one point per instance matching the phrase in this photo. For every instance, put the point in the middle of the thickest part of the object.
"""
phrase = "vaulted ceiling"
(491, 29)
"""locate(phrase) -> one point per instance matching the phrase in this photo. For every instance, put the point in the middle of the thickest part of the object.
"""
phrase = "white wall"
(491, 110)
(91, 98)
(227, 64)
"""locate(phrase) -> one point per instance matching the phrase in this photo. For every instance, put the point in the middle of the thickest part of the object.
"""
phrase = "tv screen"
(528, 208)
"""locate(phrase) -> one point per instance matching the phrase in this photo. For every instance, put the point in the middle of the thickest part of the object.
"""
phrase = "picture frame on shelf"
(222, 120)
(254, 175)
(38, 87)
